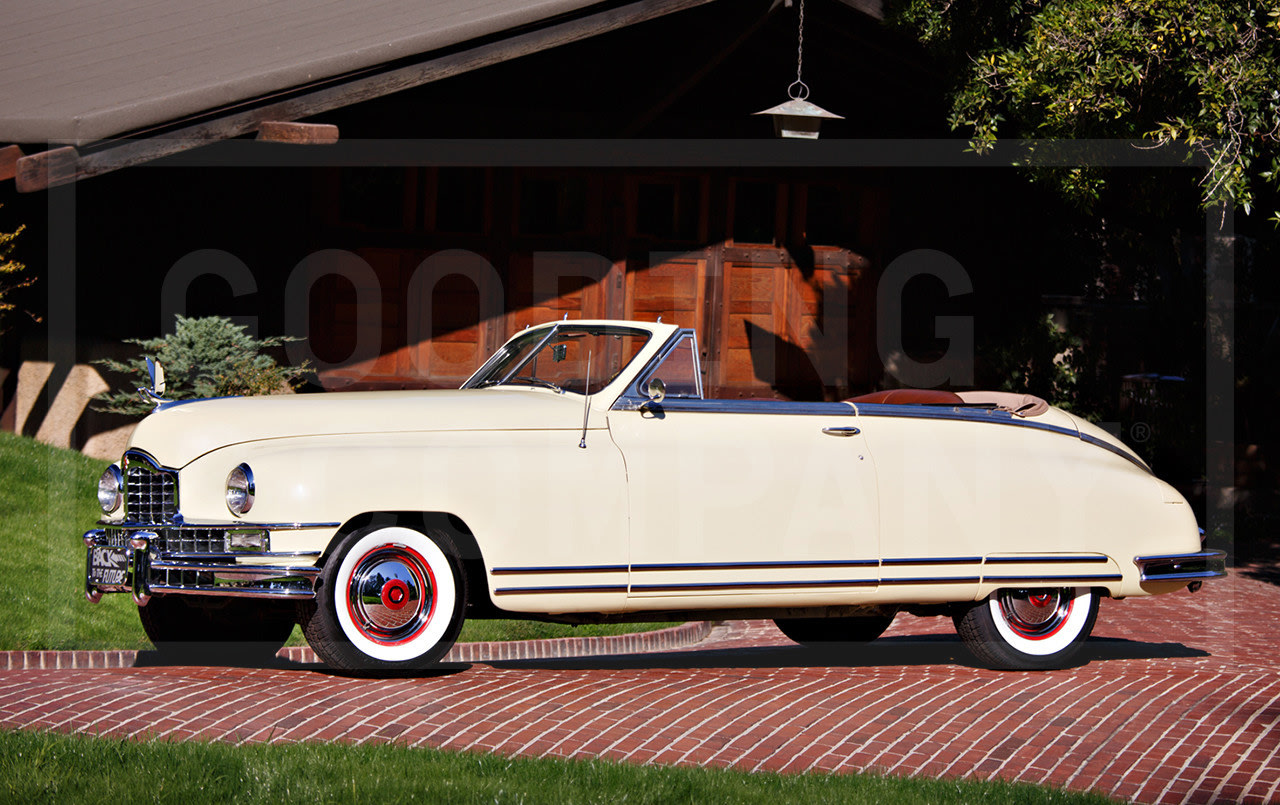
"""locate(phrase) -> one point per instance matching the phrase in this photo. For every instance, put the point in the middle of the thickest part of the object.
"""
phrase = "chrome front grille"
(151, 495)
(191, 540)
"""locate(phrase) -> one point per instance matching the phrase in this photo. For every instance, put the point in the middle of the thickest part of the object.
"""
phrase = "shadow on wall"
(782, 364)
(50, 404)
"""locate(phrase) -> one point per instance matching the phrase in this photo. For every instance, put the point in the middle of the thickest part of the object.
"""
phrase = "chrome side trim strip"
(1183, 566)
(1046, 560)
(753, 585)
(1051, 579)
(755, 565)
(934, 580)
(504, 571)
(934, 560)
(1096, 442)
(688, 405)
(989, 416)
(602, 588)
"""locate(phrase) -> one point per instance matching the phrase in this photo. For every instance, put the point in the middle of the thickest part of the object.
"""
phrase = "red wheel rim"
(1035, 614)
(391, 595)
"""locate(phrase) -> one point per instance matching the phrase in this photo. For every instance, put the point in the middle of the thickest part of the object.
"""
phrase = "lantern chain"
(798, 91)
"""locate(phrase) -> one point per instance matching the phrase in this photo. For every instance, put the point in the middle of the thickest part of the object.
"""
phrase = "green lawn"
(42, 767)
(47, 500)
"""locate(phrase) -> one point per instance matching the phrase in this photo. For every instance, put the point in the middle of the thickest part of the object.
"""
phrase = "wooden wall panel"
(783, 333)
(552, 286)
(674, 289)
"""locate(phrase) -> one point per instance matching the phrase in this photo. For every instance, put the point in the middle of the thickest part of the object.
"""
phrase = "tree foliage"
(203, 357)
(13, 276)
(1204, 73)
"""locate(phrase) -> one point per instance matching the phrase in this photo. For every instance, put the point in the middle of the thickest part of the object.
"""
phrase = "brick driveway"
(1179, 701)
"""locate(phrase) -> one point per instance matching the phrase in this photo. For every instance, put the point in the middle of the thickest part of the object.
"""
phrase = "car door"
(746, 503)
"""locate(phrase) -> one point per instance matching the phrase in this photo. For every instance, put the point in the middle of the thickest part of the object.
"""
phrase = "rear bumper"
(1197, 566)
(146, 568)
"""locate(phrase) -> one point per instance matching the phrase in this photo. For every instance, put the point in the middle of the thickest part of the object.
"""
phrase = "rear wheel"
(208, 629)
(389, 598)
(835, 633)
(1029, 629)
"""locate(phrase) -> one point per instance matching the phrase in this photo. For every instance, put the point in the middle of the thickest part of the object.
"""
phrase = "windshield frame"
(484, 376)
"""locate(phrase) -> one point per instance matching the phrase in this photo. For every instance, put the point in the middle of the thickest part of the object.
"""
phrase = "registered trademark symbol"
(1140, 432)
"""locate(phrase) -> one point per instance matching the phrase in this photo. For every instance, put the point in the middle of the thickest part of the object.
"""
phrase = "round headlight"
(110, 485)
(240, 490)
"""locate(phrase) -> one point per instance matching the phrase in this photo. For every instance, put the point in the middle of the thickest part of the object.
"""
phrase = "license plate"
(108, 566)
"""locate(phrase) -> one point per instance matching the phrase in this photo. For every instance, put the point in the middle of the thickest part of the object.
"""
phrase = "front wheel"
(389, 598)
(1029, 629)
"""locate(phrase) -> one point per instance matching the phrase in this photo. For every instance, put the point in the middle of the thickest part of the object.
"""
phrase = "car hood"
(182, 432)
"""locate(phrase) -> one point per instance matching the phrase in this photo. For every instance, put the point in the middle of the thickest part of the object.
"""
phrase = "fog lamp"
(248, 541)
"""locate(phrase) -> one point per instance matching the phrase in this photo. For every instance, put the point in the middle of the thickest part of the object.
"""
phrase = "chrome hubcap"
(1035, 614)
(391, 594)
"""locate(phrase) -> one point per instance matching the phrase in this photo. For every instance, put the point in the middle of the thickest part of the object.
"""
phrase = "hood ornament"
(155, 392)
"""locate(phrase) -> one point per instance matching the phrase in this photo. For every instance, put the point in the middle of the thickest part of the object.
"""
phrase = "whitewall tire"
(389, 598)
(1037, 628)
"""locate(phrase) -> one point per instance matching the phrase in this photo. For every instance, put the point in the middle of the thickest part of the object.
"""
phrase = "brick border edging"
(686, 634)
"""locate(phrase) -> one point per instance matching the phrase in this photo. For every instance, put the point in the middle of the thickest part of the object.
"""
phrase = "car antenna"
(586, 404)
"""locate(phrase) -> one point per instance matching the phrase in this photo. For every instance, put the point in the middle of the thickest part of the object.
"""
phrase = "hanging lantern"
(797, 117)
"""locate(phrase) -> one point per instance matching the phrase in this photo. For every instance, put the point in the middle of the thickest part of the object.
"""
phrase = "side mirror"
(655, 390)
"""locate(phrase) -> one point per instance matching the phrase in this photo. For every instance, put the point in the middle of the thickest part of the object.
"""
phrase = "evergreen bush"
(202, 358)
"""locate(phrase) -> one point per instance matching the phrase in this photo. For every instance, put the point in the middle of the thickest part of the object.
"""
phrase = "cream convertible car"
(580, 476)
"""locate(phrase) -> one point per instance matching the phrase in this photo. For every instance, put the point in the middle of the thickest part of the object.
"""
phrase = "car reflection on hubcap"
(1035, 614)
(391, 594)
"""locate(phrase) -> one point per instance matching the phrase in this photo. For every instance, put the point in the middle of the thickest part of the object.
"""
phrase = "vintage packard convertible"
(581, 476)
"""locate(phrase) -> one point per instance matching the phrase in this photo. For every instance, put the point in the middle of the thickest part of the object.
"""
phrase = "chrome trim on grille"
(238, 526)
(1182, 566)
(236, 570)
(239, 592)
(242, 555)
(156, 568)
(150, 489)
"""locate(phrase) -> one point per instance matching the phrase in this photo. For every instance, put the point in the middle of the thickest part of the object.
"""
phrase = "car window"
(679, 370)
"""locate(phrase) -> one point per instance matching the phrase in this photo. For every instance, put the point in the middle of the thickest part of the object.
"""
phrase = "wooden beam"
(47, 169)
(9, 156)
(340, 91)
(276, 131)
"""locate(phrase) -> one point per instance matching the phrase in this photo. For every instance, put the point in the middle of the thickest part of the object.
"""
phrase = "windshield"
(558, 358)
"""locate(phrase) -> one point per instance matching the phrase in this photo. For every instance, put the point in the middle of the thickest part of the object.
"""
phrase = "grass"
(47, 501)
(45, 767)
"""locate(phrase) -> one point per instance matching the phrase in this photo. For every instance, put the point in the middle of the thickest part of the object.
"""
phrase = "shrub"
(204, 357)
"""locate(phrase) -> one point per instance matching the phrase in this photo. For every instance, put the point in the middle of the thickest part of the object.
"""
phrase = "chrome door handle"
(841, 431)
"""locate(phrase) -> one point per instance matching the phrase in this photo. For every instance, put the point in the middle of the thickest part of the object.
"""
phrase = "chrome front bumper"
(147, 569)
(1182, 566)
